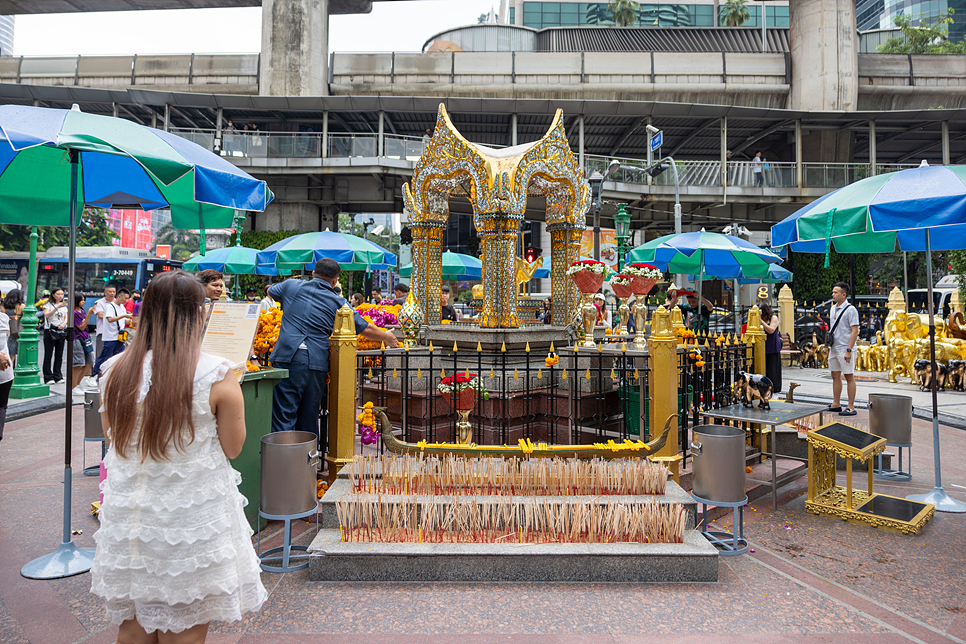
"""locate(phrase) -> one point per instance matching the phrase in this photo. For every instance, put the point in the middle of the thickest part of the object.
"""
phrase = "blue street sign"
(657, 140)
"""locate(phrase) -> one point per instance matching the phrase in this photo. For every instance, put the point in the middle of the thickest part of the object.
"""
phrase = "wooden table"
(779, 414)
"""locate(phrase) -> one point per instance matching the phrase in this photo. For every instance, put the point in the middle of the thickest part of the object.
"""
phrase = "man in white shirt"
(109, 292)
(756, 167)
(840, 344)
(111, 318)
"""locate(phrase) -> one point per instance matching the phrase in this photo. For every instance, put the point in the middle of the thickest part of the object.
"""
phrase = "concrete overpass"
(13, 7)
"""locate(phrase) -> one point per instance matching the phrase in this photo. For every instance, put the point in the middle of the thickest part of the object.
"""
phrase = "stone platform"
(695, 560)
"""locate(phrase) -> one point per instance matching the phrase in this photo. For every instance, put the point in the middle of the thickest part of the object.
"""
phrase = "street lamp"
(26, 376)
(622, 232)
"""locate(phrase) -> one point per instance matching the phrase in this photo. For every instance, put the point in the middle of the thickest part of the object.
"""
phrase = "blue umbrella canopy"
(455, 266)
(877, 213)
(237, 260)
(705, 254)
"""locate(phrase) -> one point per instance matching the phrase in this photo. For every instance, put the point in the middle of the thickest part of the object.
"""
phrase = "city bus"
(95, 267)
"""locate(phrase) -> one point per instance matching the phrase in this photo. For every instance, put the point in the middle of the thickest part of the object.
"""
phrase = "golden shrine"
(497, 183)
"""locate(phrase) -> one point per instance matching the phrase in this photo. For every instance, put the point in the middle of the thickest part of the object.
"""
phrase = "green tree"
(625, 12)
(93, 230)
(925, 37)
(183, 243)
(734, 13)
(957, 266)
(814, 282)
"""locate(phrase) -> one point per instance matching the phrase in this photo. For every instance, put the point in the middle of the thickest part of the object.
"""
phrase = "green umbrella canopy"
(121, 164)
(236, 260)
(455, 266)
(351, 252)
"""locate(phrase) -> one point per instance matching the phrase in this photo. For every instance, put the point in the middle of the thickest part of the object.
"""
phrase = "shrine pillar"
(498, 239)
(564, 251)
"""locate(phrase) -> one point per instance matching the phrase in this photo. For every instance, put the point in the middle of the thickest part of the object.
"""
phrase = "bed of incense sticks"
(807, 424)
(375, 519)
(495, 476)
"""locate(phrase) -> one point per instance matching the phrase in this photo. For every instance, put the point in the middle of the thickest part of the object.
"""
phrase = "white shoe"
(77, 391)
(88, 382)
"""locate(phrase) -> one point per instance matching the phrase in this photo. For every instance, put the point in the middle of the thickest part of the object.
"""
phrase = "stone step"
(695, 560)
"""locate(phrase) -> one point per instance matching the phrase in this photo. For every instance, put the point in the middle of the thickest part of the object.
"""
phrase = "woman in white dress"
(174, 549)
(6, 370)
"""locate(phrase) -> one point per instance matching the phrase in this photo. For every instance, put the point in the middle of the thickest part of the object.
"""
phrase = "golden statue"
(525, 271)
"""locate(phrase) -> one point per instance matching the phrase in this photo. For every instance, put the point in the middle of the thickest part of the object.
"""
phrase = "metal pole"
(764, 37)
(937, 496)
(905, 278)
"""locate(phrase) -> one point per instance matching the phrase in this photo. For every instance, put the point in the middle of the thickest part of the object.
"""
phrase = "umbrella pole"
(67, 559)
(938, 496)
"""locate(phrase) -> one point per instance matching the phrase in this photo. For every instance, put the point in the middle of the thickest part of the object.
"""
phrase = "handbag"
(88, 345)
(57, 334)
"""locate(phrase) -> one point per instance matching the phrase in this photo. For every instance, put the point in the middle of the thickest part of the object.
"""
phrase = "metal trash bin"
(92, 416)
(719, 463)
(289, 462)
(890, 416)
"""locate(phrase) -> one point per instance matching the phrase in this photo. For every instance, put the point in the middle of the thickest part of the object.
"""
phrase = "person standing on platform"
(773, 347)
(756, 168)
(83, 360)
(840, 344)
(447, 310)
(303, 345)
(110, 291)
(6, 371)
(114, 317)
(13, 306)
(55, 336)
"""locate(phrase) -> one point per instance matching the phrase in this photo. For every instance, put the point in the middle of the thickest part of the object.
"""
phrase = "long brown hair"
(766, 313)
(170, 325)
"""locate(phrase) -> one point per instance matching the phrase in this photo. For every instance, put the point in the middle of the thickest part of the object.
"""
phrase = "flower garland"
(460, 382)
(551, 360)
(269, 323)
(591, 265)
(648, 271)
(381, 315)
(367, 425)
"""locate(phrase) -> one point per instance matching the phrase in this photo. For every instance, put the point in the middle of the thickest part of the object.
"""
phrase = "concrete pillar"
(382, 133)
(824, 71)
(823, 41)
(342, 393)
(154, 119)
(786, 312)
(167, 117)
(873, 162)
(219, 116)
(114, 109)
(513, 129)
(799, 166)
(945, 142)
(580, 141)
(325, 134)
(295, 48)
(724, 152)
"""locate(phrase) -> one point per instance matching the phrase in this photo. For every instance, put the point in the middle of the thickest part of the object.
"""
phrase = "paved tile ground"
(810, 579)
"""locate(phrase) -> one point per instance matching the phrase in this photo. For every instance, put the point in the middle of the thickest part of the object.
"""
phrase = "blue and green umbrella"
(236, 260)
(53, 162)
(456, 266)
(705, 254)
(918, 209)
(351, 252)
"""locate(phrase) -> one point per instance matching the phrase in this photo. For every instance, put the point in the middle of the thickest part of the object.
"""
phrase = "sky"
(392, 26)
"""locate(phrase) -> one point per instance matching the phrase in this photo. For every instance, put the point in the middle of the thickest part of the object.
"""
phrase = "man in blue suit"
(308, 317)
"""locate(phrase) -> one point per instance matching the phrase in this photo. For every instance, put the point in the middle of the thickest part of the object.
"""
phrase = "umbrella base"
(939, 498)
(67, 560)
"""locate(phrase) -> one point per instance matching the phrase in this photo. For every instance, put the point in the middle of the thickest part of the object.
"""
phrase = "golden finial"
(576, 347)
(491, 374)
(382, 346)
(588, 373)
(563, 376)
(394, 374)
(479, 349)
(467, 374)
(455, 348)
(516, 375)
(442, 373)
(552, 350)
(613, 375)
(600, 347)
(637, 375)
(370, 374)
(527, 349)
(430, 346)
(419, 373)
(503, 347)
(623, 347)
(539, 374)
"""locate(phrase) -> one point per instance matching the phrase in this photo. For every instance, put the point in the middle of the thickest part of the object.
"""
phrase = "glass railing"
(706, 174)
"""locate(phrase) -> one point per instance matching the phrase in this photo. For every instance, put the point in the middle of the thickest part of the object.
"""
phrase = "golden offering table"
(828, 499)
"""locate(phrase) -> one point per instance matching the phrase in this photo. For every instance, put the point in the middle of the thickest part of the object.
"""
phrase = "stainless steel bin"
(289, 462)
(890, 416)
(719, 463)
(92, 417)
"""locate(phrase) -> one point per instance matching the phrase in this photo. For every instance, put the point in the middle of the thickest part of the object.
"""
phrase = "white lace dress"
(174, 548)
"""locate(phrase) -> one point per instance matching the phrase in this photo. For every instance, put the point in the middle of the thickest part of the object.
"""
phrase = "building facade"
(541, 14)
(880, 14)
(6, 35)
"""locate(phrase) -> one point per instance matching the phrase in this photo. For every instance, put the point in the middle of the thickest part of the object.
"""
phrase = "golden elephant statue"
(862, 357)
(945, 351)
(906, 326)
(902, 360)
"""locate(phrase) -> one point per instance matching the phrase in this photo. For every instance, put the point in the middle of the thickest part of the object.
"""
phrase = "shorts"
(81, 356)
(836, 362)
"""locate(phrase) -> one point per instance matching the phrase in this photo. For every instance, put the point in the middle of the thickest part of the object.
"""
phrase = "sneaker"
(88, 382)
(77, 391)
